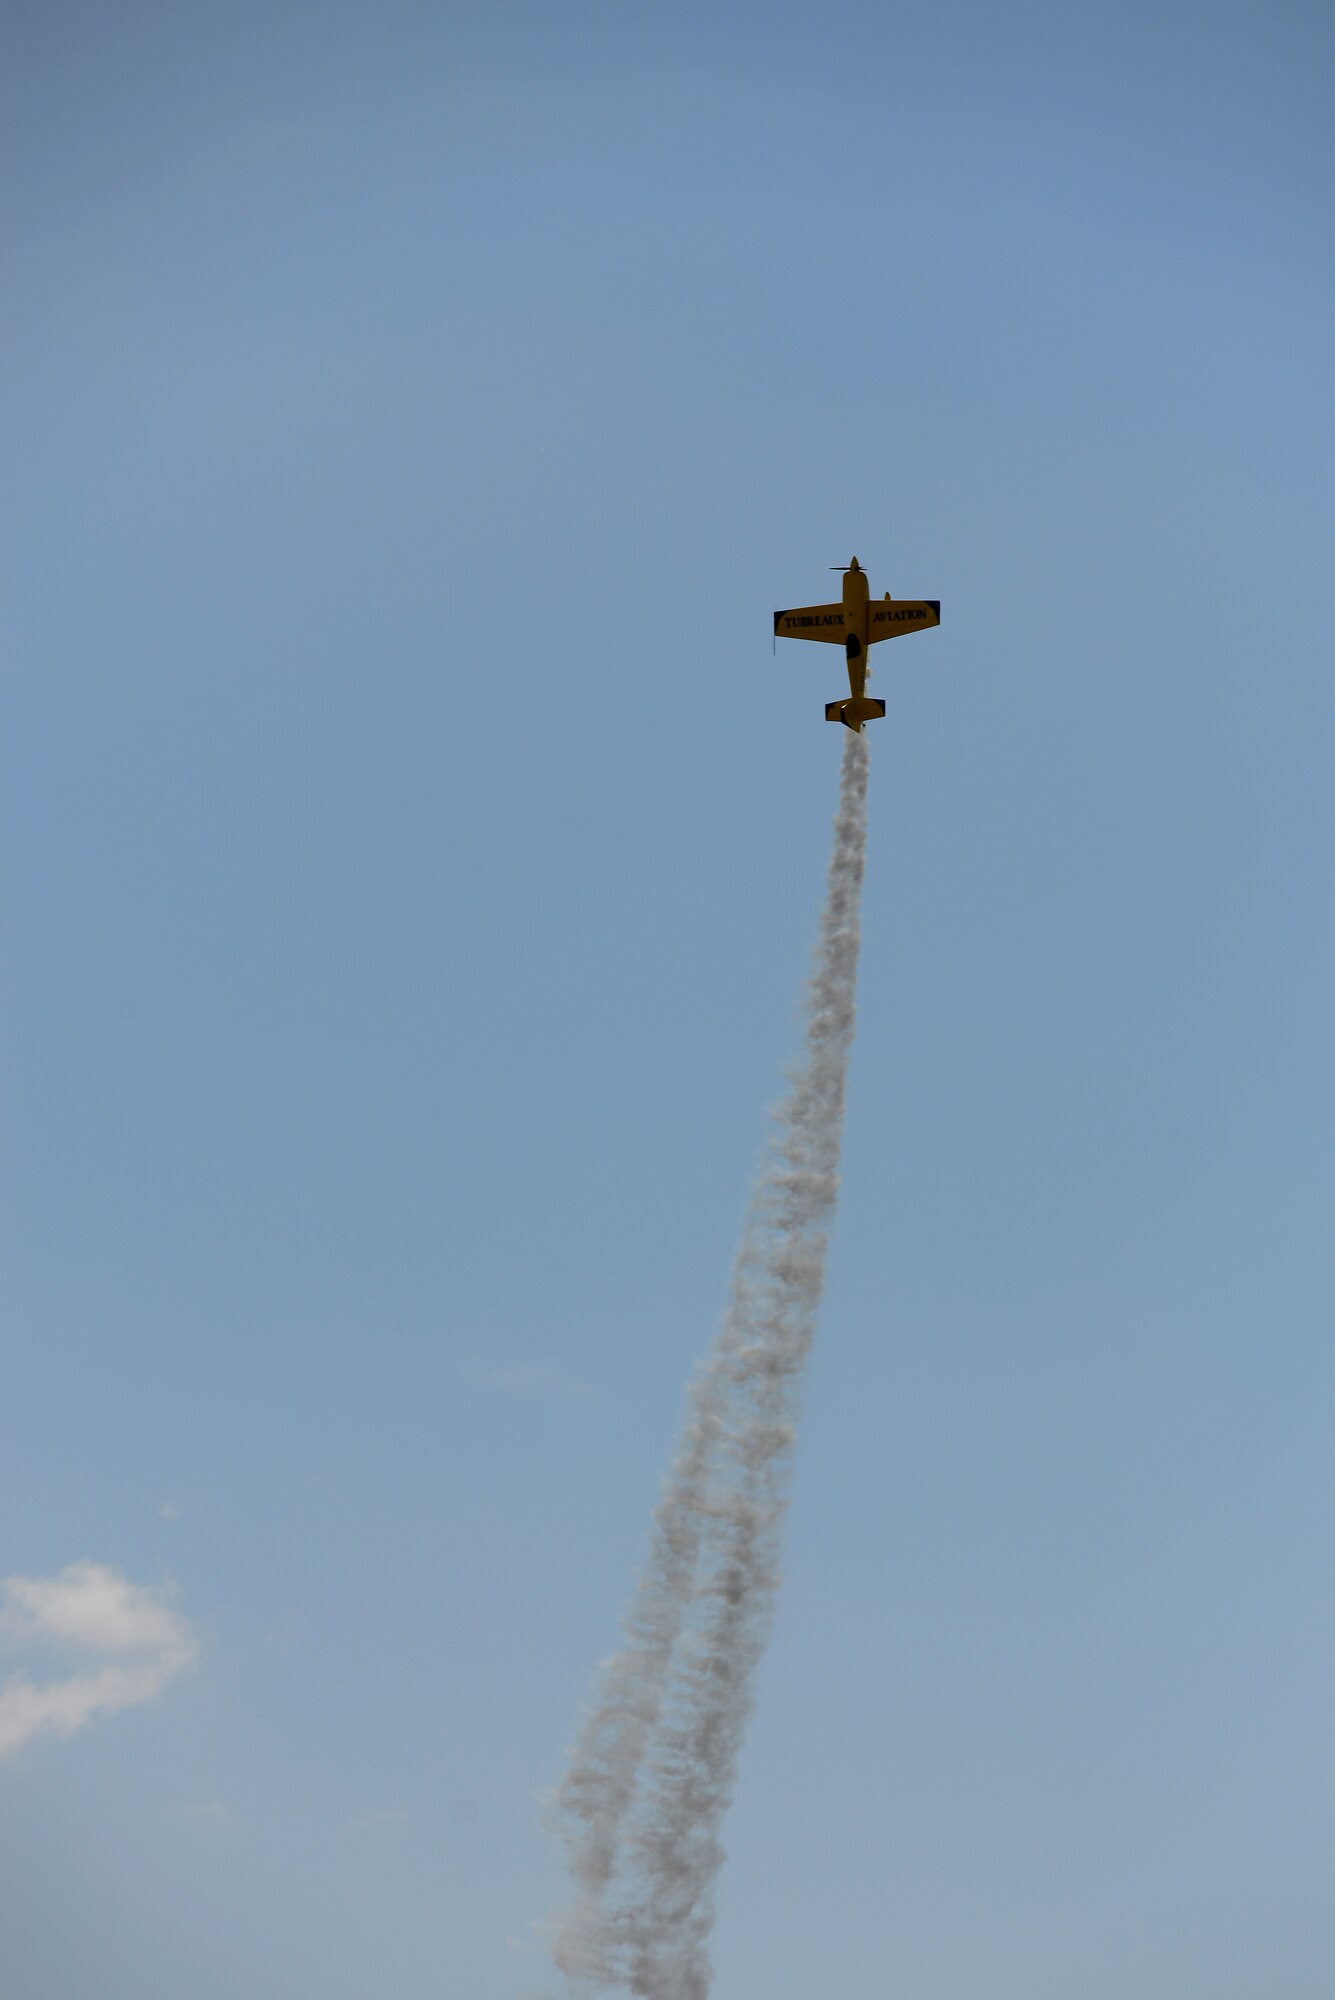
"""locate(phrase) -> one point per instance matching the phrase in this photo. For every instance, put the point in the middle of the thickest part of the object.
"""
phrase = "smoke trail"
(653, 1771)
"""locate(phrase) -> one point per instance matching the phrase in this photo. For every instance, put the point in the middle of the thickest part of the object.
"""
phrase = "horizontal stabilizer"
(854, 711)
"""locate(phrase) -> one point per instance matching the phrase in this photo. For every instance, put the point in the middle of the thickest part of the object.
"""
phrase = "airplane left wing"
(812, 621)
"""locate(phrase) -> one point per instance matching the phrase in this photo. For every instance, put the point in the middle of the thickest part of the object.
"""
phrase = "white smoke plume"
(653, 1771)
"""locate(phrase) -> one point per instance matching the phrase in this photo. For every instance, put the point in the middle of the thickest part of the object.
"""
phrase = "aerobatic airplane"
(856, 624)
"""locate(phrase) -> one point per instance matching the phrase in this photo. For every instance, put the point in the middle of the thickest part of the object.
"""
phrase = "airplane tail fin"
(854, 711)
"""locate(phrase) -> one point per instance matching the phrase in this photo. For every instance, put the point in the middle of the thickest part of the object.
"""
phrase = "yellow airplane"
(856, 624)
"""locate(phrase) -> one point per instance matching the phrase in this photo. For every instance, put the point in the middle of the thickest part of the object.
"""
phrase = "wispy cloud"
(377, 1820)
(206, 1812)
(542, 1381)
(284, 1637)
(170, 1510)
(126, 1641)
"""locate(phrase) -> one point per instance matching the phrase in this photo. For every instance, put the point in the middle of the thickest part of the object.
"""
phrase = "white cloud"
(132, 1639)
(170, 1510)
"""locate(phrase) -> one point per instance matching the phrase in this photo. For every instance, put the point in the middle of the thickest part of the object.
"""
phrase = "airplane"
(859, 622)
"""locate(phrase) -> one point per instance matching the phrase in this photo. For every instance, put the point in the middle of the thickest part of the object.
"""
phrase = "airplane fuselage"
(857, 600)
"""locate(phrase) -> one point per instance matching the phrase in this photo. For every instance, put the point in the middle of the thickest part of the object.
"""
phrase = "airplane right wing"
(888, 618)
(812, 621)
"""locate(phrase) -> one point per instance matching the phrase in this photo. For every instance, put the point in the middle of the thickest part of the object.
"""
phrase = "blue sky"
(413, 846)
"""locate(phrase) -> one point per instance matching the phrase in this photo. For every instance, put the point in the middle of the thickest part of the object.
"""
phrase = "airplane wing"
(891, 617)
(812, 621)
